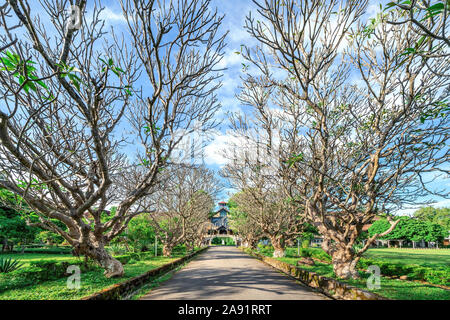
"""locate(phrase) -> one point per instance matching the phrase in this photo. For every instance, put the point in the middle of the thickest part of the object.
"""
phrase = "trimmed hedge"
(126, 258)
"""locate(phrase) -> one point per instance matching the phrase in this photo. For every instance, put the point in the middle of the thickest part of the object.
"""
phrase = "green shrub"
(266, 250)
(305, 253)
(9, 265)
(40, 271)
(124, 259)
(437, 276)
(117, 249)
(305, 243)
(320, 254)
(429, 274)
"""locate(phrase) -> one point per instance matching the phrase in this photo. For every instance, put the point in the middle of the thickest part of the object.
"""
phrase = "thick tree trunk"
(279, 247)
(250, 242)
(344, 263)
(167, 250)
(113, 267)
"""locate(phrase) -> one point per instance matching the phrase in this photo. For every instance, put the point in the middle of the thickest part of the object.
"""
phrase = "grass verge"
(91, 282)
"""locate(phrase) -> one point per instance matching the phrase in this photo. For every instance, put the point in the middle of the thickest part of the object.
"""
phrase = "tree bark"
(189, 247)
(279, 246)
(344, 263)
(253, 244)
(167, 250)
(113, 267)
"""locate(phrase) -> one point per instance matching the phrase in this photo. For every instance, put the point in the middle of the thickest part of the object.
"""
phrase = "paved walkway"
(226, 273)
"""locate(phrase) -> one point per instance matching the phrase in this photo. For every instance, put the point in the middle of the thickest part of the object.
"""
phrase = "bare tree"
(430, 20)
(183, 205)
(261, 196)
(67, 96)
(6, 39)
(243, 225)
(350, 151)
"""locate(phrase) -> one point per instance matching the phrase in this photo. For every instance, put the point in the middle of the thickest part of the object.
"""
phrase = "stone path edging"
(122, 289)
(328, 286)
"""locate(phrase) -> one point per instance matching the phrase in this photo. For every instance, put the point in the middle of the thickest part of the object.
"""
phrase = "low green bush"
(430, 274)
(9, 265)
(437, 276)
(265, 249)
(304, 252)
(41, 271)
(124, 259)
(320, 254)
(136, 256)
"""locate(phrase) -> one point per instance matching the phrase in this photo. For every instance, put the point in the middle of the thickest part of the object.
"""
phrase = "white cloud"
(214, 151)
(111, 16)
(409, 211)
(230, 59)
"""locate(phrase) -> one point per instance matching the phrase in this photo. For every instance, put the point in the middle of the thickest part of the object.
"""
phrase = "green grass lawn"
(91, 281)
(26, 258)
(423, 257)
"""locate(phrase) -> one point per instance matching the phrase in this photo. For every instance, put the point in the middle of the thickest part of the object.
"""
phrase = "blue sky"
(235, 12)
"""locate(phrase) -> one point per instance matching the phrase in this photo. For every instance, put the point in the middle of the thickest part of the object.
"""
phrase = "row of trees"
(76, 100)
(182, 207)
(347, 118)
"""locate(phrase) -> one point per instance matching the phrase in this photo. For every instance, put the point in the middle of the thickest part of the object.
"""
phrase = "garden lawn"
(389, 288)
(423, 257)
(26, 258)
(91, 282)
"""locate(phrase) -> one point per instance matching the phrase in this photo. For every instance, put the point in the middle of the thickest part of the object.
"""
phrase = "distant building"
(219, 221)
(447, 240)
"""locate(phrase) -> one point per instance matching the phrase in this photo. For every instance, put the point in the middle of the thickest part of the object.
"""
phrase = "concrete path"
(226, 273)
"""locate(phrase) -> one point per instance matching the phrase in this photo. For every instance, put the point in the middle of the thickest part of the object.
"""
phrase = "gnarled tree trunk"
(167, 250)
(343, 259)
(113, 267)
(189, 247)
(278, 244)
(344, 266)
(251, 243)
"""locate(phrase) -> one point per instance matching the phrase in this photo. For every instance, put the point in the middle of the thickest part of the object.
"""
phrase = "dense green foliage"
(139, 235)
(13, 226)
(49, 238)
(410, 229)
(224, 241)
(439, 216)
(8, 265)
